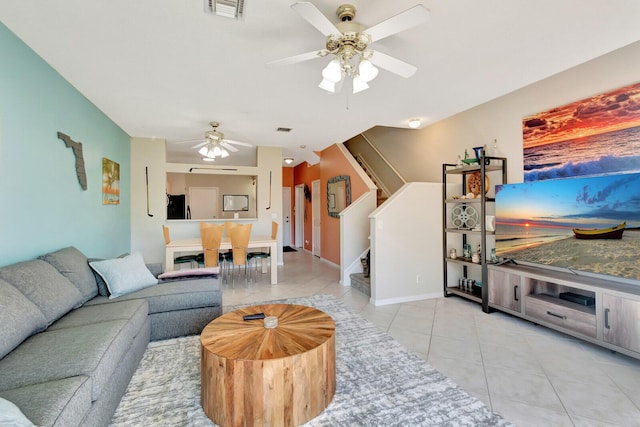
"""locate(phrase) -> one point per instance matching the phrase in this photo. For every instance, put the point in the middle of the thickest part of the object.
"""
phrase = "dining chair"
(185, 259)
(211, 236)
(255, 256)
(240, 235)
(228, 255)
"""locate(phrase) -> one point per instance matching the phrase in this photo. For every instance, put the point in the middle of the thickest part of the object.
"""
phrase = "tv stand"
(597, 310)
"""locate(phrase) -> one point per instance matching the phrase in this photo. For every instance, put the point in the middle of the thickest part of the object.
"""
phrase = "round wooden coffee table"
(252, 375)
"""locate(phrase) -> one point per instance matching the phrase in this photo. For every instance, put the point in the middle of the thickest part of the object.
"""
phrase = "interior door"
(286, 216)
(315, 216)
(203, 202)
(299, 206)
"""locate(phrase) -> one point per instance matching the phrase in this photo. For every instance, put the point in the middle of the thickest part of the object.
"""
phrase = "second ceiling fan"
(350, 42)
(215, 144)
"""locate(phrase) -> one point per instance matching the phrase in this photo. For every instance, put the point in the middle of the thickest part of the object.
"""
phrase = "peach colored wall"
(332, 163)
(305, 174)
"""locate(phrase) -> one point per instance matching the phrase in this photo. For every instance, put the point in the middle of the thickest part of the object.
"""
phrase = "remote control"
(253, 316)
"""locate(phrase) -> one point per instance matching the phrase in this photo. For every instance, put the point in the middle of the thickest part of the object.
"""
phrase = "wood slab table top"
(252, 375)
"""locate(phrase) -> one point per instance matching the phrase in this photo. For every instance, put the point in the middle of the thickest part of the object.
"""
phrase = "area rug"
(378, 382)
(288, 249)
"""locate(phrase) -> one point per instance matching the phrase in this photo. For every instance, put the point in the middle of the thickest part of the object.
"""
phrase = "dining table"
(195, 245)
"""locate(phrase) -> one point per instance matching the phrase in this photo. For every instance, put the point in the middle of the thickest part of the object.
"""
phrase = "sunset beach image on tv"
(596, 136)
(536, 222)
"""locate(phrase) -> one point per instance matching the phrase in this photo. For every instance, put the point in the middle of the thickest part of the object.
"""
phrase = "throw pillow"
(102, 287)
(124, 275)
(12, 416)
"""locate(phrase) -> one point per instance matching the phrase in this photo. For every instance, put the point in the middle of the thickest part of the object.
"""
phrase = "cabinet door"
(505, 290)
(622, 322)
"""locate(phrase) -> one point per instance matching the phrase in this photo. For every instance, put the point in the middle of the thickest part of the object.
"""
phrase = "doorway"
(286, 216)
(315, 216)
(299, 211)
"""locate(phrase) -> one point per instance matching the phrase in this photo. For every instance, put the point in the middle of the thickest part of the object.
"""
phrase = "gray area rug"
(378, 382)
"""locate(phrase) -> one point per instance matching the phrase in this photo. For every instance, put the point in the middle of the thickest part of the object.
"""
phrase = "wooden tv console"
(532, 293)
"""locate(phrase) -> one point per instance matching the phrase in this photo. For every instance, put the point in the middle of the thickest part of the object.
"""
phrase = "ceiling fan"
(348, 41)
(215, 144)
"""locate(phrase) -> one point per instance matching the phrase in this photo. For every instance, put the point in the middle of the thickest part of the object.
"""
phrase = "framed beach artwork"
(110, 182)
(595, 136)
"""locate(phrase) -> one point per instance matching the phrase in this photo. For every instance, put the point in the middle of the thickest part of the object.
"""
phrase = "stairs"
(361, 283)
(382, 194)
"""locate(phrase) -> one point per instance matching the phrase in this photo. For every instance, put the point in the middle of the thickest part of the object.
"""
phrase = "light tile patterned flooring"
(531, 375)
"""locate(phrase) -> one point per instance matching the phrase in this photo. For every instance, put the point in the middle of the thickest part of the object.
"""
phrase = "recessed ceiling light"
(208, 159)
(303, 146)
(414, 123)
(288, 160)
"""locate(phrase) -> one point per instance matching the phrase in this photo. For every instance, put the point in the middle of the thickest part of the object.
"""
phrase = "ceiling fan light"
(367, 71)
(216, 151)
(359, 85)
(204, 150)
(208, 159)
(332, 72)
(327, 85)
(224, 153)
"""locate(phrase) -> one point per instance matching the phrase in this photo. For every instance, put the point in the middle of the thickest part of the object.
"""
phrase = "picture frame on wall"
(110, 182)
(594, 136)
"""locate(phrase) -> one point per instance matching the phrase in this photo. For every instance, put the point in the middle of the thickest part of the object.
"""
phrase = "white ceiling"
(165, 68)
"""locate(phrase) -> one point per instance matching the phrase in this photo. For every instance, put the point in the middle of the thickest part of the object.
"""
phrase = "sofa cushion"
(12, 416)
(43, 285)
(93, 350)
(73, 265)
(64, 402)
(172, 296)
(135, 311)
(19, 318)
(124, 275)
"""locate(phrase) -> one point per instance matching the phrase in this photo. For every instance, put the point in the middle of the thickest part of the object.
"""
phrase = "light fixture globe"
(359, 85)
(332, 72)
(367, 71)
(327, 85)
(414, 123)
(288, 160)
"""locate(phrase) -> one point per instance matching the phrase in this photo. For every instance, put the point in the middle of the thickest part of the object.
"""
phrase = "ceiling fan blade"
(314, 17)
(231, 141)
(297, 58)
(228, 147)
(416, 15)
(203, 143)
(392, 64)
(188, 141)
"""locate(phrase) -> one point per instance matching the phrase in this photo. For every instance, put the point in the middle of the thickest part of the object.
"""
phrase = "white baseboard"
(411, 298)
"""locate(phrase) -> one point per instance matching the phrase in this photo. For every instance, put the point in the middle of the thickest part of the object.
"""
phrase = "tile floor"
(531, 375)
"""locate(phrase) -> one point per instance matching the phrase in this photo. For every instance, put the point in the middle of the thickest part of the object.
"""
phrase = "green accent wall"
(42, 205)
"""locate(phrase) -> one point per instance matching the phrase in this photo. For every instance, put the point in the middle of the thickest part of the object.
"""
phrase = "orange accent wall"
(333, 163)
(287, 177)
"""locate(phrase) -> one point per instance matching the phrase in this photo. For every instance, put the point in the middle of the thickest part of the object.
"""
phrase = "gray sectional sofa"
(68, 351)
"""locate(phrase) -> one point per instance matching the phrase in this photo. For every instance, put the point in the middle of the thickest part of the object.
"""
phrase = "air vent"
(283, 130)
(228, 8)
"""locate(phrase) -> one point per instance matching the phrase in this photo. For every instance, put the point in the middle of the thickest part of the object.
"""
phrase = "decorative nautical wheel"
(465, 216)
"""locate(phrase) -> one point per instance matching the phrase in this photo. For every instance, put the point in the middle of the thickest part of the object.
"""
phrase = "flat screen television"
(570, 225)
(235, 202)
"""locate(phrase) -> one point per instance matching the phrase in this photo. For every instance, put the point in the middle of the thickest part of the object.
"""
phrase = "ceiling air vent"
(227, 8)
(283, 130)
